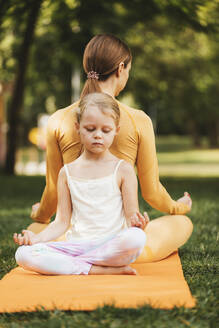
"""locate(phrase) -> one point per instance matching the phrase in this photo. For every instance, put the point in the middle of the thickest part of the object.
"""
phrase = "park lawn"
(177, 157)
(198, 257)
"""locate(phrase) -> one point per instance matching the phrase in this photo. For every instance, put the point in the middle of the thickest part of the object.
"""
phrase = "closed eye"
(90, 129)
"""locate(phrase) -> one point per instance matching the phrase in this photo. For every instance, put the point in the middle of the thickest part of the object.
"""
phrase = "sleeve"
(54, 163)
(147, 166)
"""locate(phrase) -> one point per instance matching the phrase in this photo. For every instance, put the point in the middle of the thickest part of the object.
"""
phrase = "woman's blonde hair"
(101, 59)
(103, 102)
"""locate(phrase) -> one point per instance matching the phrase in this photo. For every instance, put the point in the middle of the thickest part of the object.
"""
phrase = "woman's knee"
(185, 225)
(170, 226)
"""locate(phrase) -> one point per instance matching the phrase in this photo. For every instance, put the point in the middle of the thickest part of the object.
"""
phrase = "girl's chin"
(97, 150)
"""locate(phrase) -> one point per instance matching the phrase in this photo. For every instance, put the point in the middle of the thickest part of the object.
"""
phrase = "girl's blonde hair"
(102, 56)
(103, 102)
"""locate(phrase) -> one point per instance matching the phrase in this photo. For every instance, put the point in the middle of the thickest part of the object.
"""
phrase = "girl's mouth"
(97, 144)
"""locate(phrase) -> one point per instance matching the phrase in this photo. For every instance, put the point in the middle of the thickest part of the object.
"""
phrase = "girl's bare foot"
(96, 269)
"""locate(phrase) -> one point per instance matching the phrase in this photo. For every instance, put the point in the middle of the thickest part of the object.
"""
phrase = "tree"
(18, 90)
(166, 71)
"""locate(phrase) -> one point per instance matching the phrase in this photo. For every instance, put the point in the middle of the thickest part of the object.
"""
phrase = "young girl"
(98, 193)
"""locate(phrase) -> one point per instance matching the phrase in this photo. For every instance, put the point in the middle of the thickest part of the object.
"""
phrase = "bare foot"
(96, 269)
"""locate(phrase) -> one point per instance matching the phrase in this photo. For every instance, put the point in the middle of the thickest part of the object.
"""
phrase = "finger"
(135, 223)
(187, 194)
(30, 238)
(140, 216)
(133, 218)
(20, 239)
(146, 217)
(141, 219)
(27, 235)
(15, 238)
(26, 239)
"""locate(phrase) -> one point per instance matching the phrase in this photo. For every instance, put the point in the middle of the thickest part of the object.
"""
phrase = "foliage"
(175, 74)
(174, 44)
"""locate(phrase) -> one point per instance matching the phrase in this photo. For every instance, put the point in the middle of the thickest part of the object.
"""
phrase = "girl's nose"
(98, 134)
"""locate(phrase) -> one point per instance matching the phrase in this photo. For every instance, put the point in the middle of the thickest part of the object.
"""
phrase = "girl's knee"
(23, 256)
(20, 255)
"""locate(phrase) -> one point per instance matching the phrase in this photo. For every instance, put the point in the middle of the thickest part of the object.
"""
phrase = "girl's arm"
(61, 222)
(129, 189)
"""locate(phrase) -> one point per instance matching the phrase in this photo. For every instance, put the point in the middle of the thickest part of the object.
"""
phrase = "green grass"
(178, 157)
(198, 256)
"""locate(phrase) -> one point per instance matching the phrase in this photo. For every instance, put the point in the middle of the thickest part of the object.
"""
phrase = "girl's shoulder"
(71, 167)
(125, 168)
(62, 174)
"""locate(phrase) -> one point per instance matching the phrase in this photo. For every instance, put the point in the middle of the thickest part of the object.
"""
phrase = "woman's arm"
(129, 189)
(152, 190)
(47, 207)
(62, 220)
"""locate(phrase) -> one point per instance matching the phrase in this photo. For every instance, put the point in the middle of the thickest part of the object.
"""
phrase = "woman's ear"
(120, 69)
(77, 126)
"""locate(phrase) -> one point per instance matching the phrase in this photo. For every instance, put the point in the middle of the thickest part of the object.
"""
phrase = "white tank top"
(97, 207)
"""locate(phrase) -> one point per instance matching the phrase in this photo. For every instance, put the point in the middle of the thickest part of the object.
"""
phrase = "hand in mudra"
(26, 238)
(186, 199)
(139, 220)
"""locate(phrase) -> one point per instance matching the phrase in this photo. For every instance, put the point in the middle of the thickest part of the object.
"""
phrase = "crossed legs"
(164, 235)
(84, 257)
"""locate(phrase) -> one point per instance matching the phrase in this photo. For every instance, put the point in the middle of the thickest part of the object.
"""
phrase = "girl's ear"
(77, 126)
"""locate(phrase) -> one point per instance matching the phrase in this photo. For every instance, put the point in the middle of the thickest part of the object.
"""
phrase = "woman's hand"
(35, 208)
(28, 238)
(139, 220)
(186, 199)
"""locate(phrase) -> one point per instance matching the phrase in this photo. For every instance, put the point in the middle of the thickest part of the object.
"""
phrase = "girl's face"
(97, 130)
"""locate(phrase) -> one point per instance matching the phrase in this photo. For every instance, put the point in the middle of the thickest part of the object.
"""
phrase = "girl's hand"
(139, 220)
(34, 210)
(186, 199)
(28, 238)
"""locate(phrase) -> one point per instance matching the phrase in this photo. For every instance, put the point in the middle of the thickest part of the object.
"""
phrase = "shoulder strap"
(117, 166)
(66, 171)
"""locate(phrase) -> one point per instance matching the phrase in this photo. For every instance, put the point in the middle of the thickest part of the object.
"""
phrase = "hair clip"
(93, 75)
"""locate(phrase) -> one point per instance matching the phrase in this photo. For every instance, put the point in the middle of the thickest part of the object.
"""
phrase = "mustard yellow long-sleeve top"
(135, 143)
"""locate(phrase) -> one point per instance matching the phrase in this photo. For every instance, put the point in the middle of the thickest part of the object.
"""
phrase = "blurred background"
(174, 76)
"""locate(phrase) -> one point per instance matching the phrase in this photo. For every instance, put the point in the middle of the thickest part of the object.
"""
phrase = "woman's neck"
(109, 86)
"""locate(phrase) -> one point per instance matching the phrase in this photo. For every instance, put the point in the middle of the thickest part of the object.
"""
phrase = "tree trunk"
(16, 102)
(213, 135)
(193, 130)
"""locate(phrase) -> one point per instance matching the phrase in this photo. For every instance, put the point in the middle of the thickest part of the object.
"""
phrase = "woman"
(107, 62)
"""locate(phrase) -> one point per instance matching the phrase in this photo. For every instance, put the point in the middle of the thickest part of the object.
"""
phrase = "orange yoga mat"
(160, 284)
